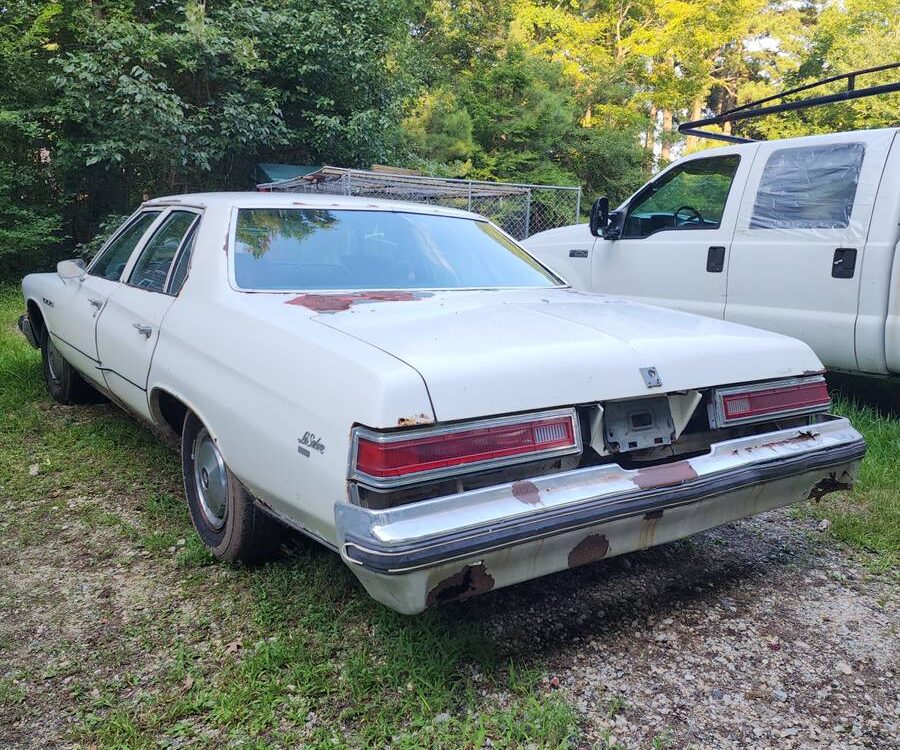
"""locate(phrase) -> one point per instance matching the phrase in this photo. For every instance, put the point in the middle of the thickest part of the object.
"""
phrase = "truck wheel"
(64, 383)
(227, 520)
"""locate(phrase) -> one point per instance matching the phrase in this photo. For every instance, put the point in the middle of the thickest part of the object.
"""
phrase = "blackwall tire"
(64, 384)
(224, 514)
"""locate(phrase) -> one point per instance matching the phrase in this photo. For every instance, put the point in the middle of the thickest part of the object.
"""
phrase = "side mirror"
(615, 225)
(70, 269)
(599, 216)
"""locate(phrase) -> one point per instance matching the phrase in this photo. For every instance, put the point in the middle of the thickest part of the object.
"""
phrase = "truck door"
(797, 252)
(674, 248)
(128, 328)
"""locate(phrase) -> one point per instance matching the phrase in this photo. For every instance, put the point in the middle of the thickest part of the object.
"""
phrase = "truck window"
(690, 196)
(808, 188)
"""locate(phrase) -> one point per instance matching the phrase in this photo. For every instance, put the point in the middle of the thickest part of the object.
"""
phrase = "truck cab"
(798, 236)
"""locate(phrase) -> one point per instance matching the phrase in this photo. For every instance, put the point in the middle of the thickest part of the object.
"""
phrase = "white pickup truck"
(798, 236)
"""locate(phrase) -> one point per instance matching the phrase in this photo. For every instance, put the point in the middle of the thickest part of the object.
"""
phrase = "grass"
(287, 654)
(277, 656)
(868, 517)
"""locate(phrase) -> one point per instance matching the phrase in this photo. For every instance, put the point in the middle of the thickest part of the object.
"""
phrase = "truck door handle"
(98, 303)
(715, 259)
(142, 329)
(844, 264)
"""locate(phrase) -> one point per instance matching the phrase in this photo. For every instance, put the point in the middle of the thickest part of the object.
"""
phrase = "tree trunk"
(650, 145)
(696, 114)
(666, 146)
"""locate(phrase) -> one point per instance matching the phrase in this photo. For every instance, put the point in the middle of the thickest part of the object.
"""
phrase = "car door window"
(152, 268)
(111, 262)
(180, 271)
(690, 196)
(808, 188)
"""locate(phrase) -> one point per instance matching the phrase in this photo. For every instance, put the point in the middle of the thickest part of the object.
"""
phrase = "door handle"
(715, 259)
(98, 303)
(142, 329)
(843, 266)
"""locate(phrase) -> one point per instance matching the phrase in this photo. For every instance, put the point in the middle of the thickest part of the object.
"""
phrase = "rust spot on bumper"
(470, 581)
(831, 483)
(590, 549)
(329, 303)
(664, 475)
(527, 492)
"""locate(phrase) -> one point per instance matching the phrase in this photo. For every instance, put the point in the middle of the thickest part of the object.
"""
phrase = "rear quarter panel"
(261, 375)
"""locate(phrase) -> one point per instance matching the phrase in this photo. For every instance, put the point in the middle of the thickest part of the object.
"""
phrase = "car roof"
(302, 200)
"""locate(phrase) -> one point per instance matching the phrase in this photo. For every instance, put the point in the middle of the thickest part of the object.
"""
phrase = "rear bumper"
(456, 546)
(28, 331)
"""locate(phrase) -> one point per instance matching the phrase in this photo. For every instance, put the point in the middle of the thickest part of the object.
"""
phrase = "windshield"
(300, 249)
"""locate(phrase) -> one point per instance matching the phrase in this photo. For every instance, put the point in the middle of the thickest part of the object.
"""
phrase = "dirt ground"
(755, 635)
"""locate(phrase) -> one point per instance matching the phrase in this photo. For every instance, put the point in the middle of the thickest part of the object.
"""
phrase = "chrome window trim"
(717, 406)
(453, 471)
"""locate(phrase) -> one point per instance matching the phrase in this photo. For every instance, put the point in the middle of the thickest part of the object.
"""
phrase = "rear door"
(800, 238)
(674, 249)
(128, 329)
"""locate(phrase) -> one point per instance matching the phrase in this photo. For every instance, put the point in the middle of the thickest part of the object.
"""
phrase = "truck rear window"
(811, 187)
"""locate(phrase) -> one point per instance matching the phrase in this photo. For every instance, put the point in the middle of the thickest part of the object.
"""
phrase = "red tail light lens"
(394, 456)
(753, 403)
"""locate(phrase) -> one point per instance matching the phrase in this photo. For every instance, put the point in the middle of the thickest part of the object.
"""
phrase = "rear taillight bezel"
(376, 436)
(719, 417)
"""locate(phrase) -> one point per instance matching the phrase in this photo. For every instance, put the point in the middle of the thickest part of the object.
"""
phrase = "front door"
(674, 248)
(128, 328)
(75, 309)
(798, 247)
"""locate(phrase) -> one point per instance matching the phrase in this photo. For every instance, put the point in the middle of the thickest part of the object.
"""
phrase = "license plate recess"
(637, 424)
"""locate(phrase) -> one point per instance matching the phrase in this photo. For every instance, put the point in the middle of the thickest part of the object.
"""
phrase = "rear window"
(808, 188)
(300, 249)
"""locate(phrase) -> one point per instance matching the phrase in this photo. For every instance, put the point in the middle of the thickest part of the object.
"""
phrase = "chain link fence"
(521, 210)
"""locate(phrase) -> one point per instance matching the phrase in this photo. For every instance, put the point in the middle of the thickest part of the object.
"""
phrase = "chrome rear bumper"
(456, 546)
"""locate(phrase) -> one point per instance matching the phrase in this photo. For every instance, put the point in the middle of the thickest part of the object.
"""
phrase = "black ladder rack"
(753, 109)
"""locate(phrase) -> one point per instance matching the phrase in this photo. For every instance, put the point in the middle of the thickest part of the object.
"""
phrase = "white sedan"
(408, 386)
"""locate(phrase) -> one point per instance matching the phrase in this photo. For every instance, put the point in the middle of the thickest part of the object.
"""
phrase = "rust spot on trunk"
(527, 492)
(414, 420)
(664, 475)
(329, 303)
(470, 581)
(590, 549)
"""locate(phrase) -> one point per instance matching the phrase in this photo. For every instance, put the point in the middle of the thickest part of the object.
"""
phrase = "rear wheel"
(227, 520)
(64, 383)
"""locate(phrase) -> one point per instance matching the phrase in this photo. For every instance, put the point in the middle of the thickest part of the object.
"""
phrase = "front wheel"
(227, 520)
(64, 383)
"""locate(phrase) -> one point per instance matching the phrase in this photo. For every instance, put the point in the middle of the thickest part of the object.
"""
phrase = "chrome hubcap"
(54, 360)
(210, 479)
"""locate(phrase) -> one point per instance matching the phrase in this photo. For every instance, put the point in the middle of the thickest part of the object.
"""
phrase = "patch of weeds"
(868, 517)
(664, 740)
(617, 704)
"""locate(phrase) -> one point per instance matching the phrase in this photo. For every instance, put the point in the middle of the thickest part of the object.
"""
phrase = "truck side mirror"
(70, 269)
(614, 225)
(599, 216)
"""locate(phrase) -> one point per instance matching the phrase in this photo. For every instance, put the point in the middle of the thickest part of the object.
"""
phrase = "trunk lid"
(486, 352)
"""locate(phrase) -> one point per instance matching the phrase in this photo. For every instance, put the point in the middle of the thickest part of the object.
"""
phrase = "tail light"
(762, 401)
(396, 458)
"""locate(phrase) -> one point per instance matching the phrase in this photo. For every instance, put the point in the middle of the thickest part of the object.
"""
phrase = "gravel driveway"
(760, 634)
(754, 635)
